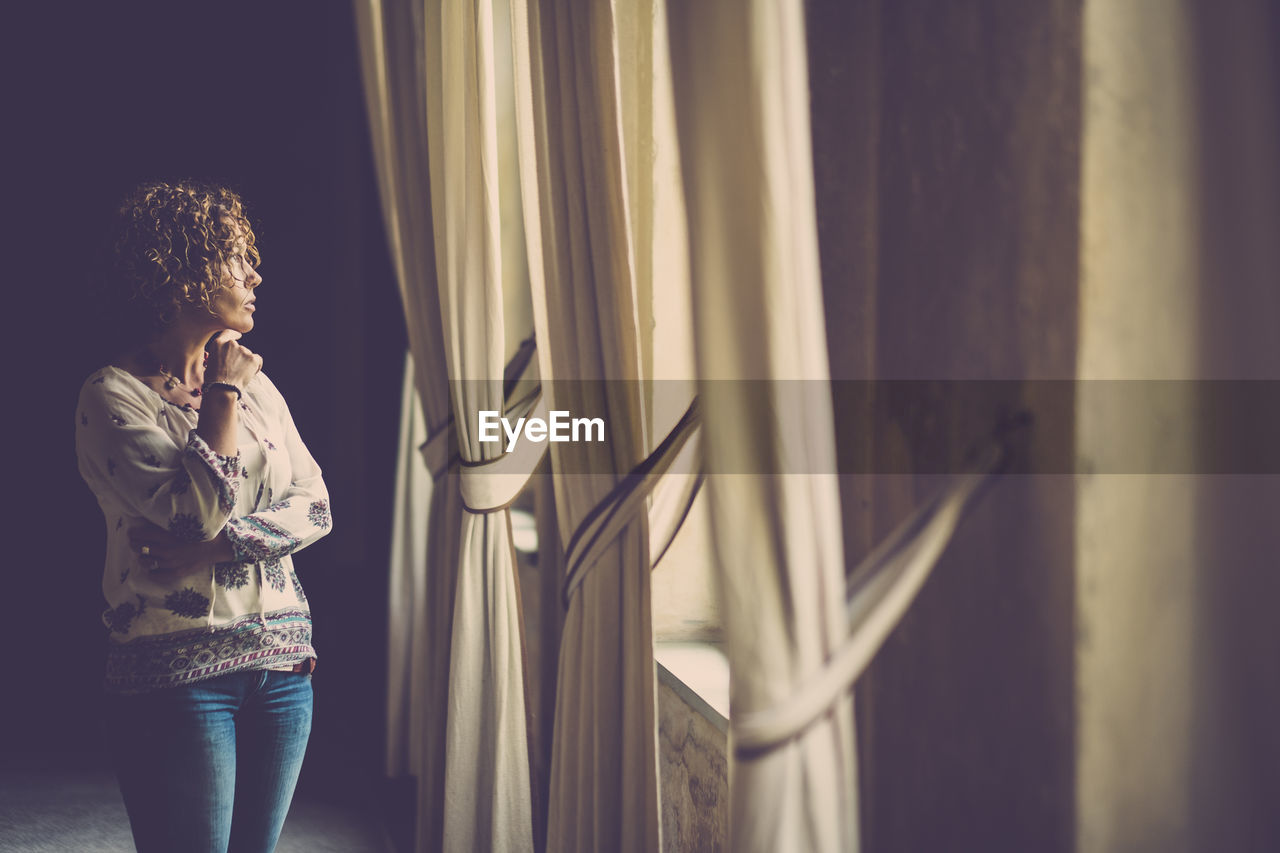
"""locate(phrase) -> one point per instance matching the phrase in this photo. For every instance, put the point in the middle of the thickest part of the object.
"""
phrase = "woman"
(207, 491)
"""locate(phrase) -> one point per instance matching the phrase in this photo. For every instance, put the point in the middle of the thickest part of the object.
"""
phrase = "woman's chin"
(241, 322)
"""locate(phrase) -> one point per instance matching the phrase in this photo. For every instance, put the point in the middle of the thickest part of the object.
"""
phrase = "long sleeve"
(142, 458)
(122, 451)
(292, 520)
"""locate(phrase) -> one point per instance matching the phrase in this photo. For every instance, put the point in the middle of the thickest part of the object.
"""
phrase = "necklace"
(170, 381)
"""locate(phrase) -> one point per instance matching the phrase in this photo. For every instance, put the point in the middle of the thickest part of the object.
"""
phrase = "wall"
(693, 769)
(946, 152)
(1235, 755)
(1077, 191)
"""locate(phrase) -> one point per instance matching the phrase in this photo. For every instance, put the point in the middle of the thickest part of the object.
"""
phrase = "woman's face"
(232, 303)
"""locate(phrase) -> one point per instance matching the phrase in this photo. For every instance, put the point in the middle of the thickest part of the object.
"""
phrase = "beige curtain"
(742, 101)
(488, 796)
(573, 158)
(432, 86)
(406, 604)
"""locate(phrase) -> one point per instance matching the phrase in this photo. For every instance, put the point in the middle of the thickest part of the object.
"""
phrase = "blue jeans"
(211, 766)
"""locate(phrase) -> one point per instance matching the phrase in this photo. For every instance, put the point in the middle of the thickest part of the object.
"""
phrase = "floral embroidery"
(318, 514)
(224, 471)
(268, 443)
(297, 586)
(231, 575)
(187, 603)
(226, 490)
(229, 466)
(257, 499)
(273, 570)
(122, 617)
(151, 460)
(196, 654)
(186, 527)
(254, 539)
(117, 420)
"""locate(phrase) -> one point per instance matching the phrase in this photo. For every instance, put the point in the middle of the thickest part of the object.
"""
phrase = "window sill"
(699, 674)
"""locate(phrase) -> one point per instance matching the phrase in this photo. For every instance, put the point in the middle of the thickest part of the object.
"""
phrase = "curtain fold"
(573, 158)
(431, 89)
(488, 797)
(742, 101)
(406, 599)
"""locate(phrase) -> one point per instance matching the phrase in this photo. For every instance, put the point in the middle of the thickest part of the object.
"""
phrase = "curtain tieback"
(678, 454)
(440, 451)
(491, 485)
(879, 592)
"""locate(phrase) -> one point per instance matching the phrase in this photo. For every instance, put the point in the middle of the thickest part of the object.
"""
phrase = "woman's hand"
(233, 364)
(230, 361)
(161, 551)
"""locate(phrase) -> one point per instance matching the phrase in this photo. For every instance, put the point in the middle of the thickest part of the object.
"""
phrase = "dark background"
(264, 97)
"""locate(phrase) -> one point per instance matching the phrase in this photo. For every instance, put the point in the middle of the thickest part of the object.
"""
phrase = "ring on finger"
(146, 550)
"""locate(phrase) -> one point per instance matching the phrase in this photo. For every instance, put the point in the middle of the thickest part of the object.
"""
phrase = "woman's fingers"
(231, 361)
(158, 552)
(164, 558)
(156, 547)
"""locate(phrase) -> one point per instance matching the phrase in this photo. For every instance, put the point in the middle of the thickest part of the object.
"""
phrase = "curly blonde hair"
(170, 245)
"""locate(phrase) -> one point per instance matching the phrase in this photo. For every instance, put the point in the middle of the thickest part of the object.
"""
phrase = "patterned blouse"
(141, 456)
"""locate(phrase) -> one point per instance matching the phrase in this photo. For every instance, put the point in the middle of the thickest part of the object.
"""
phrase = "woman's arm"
(298, 517)
(165, 552)
(229, 362)
(189, 490)
(219, 420)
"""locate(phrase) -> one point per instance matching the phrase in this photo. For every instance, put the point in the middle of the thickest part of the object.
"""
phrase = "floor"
(79, 809)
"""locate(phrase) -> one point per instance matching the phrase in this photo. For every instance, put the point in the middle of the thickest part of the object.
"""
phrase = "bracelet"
(204, 389)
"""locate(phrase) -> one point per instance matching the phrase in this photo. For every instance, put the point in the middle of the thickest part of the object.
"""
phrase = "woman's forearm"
(219, 421)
